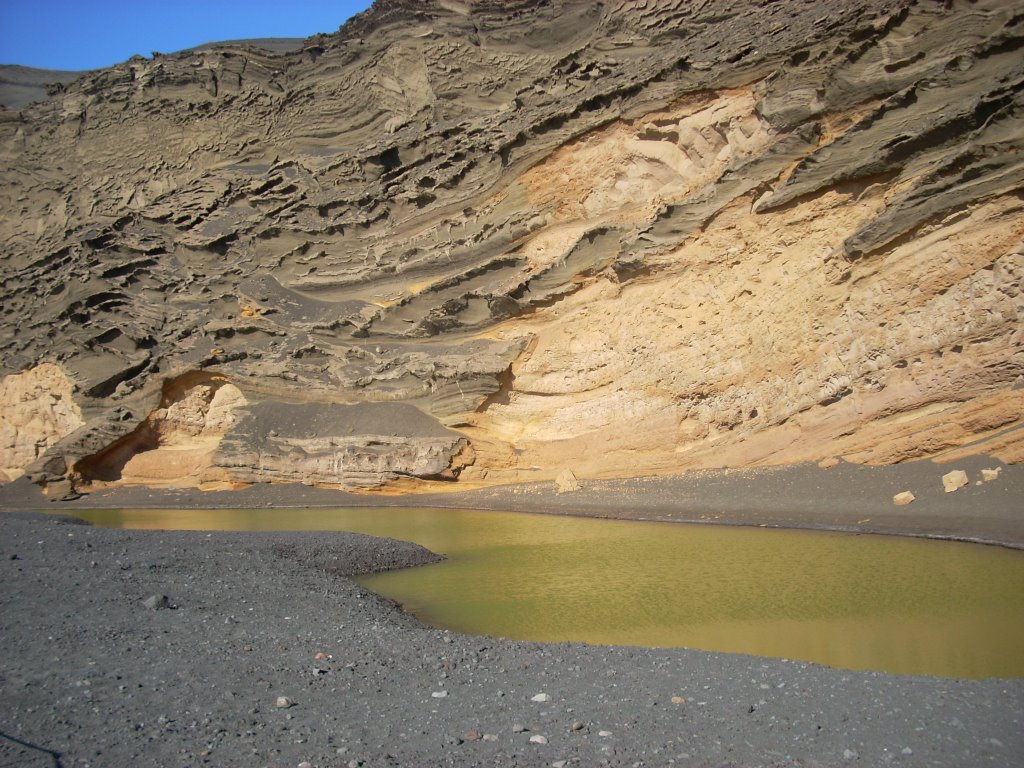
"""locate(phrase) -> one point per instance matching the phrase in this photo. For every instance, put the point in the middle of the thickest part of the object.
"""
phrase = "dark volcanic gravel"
(92, 674)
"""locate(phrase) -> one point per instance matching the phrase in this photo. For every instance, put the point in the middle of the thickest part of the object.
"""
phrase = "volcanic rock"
(483, 242)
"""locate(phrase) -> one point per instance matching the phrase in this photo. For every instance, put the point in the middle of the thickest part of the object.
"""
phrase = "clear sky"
(87, 34)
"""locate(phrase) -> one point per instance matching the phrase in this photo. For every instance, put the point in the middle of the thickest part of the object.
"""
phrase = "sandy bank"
(846, 497)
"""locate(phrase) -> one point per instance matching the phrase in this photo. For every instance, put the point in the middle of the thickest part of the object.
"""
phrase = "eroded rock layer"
(38, 410)
(497, 241)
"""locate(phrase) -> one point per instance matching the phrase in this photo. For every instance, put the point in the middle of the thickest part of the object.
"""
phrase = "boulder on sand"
(566, 482)
(952, 481)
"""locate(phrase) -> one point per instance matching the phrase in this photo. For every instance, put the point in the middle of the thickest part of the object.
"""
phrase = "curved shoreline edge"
(91, 672)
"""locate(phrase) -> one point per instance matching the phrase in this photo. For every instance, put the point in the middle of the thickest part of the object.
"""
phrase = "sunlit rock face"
(175, 444)
(481, 242)
(36, 410)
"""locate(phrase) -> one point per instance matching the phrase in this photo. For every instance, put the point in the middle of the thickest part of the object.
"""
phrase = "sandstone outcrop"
(37, 410)
(501, 239)
(176, 442)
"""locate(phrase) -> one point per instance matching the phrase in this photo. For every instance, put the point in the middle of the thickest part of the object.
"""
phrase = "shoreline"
(846, 498)
(255, 616)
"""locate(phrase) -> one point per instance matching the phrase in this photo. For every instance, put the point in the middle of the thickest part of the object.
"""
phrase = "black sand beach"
(92, 676)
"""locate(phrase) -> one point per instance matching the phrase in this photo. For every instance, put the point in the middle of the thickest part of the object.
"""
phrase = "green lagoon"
(893, 604)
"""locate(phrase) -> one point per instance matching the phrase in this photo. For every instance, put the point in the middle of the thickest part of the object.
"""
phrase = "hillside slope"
(20, 86)
(489, 241)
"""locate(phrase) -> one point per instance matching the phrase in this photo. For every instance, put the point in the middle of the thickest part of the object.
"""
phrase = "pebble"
(305, 764)
(439, 695)
(283, 702)
(490, 737)
(678, 700)
(517, 728)
(157, 602)
(540, 698)
(987, 475)
(906, 751)
(604, 733)
(321, 656)
(472, 736)
(538, 739)
(850, 754)
(577, 725)
(559, 764)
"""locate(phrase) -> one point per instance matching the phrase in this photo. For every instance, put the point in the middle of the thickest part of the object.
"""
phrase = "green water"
(859, 602)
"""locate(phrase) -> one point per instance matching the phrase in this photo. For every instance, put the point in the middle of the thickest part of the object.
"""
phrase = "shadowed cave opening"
(187, 404)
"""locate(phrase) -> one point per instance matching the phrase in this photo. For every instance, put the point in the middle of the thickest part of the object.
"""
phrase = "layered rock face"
(175, 444)
(484, 242)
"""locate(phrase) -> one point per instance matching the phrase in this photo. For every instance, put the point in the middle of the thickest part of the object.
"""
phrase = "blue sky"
(86, 34)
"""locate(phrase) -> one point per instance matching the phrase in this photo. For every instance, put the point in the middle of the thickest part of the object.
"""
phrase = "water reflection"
(859, 602)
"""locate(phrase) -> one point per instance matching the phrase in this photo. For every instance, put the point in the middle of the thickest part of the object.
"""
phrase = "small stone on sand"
(903, 498)
(540, 698)
(952, 481)
(157, 602)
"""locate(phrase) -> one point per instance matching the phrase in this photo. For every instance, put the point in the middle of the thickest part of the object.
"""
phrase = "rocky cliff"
(490, 241)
